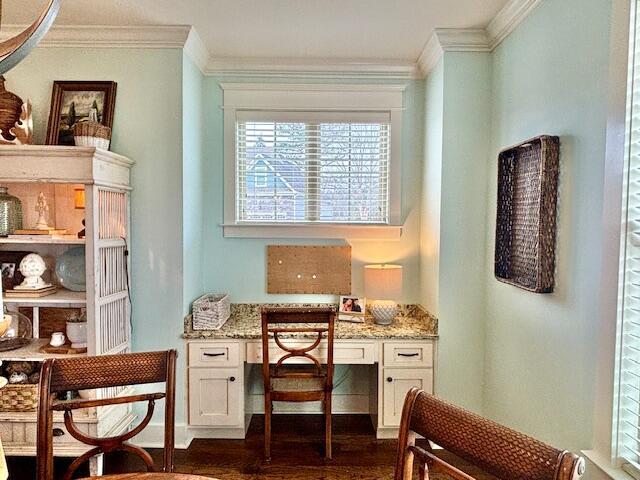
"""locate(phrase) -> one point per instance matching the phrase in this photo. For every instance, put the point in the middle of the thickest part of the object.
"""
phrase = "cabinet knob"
(58, 432)
(232, 379)
(389, 379)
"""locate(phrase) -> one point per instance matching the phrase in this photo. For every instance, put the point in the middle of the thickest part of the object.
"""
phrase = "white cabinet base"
(214, 397)
(222, 408)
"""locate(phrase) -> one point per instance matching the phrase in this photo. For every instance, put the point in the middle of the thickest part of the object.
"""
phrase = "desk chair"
(497, 450)
(313, 380)
(81, 373)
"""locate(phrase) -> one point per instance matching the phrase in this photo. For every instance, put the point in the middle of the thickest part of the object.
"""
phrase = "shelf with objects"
(64, 235)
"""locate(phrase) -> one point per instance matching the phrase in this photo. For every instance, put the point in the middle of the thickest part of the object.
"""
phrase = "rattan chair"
(495, 449)
(82, 373)
(314, 381)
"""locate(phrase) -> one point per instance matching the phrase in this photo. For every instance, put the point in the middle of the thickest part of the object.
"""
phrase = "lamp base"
(383, 311)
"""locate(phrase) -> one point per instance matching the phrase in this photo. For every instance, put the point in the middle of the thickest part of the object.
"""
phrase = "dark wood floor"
(297, 450)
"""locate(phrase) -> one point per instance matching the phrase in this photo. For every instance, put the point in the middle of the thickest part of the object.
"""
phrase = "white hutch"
(59, 172)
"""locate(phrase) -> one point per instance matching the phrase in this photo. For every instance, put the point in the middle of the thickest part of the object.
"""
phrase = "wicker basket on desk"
(211, 311)
(18, 398)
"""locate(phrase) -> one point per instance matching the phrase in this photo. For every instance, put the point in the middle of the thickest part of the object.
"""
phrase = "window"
(626, 429)
(321, 171)
(309, 160)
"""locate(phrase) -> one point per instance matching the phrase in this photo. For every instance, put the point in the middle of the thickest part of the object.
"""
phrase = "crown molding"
(451, 40)
(474, 40)
(316, 68)
(196, 50)
(508, 18)
(187, 38)
(108, 36)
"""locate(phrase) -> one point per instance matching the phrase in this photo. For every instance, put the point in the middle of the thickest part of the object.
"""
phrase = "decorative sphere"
(32, 265)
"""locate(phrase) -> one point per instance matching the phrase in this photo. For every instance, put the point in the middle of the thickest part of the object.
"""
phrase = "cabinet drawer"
(396, 382)
(352, 353)
(215, 396)
(209, 354)
(408, 354)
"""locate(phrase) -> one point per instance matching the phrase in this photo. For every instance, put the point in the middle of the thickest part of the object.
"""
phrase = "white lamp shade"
(383, 282)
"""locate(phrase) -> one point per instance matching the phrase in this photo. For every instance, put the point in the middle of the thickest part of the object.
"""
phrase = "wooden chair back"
(83, 373)
(494, 448)
(281, 322)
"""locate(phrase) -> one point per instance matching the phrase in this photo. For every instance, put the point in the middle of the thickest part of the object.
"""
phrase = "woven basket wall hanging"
(526, 214)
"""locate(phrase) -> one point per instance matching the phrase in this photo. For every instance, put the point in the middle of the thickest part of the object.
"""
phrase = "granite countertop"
(412, 323)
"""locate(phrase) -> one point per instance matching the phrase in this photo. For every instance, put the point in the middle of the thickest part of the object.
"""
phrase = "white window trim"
(312, 97)
(603, 448)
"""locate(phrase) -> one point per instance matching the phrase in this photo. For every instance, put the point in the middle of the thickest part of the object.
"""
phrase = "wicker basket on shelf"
(18, 398)
(211, 311)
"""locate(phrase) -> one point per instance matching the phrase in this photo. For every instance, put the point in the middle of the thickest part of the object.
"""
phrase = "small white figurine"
(57, 339)
(43, 209)
(32, 267)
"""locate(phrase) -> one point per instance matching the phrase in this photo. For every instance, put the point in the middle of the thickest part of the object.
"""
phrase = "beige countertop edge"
(210, 335)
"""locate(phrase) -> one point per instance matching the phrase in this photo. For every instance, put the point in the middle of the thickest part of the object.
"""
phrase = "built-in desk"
(220, 367)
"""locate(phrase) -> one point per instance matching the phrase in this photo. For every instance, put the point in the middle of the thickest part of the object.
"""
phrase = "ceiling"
(313, 29)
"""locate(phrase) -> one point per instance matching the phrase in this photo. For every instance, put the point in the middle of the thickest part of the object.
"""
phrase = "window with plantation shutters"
(312, 167)
(627, 420)
(313, 160)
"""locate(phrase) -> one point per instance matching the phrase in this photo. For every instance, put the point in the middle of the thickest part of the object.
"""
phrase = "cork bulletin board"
(309, 269)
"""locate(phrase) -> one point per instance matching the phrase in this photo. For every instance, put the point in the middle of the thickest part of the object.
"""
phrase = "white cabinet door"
(214, 397)
(396, 383)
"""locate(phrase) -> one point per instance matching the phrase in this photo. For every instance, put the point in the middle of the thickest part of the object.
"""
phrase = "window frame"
(312, 98)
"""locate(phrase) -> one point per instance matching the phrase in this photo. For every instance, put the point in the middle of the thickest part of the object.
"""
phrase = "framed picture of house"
(75, 102)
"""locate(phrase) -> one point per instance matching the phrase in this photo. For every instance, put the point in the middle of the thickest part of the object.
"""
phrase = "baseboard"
(153, 436)
(233, 433)
(387, 432)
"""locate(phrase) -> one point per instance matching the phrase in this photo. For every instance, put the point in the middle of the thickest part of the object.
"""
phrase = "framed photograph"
(9, 268)
(74, 102)
(352, 309)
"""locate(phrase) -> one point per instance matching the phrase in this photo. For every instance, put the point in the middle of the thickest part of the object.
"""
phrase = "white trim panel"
(270, 96)
(368, 232)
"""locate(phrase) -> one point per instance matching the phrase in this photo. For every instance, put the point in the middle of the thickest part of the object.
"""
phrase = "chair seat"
(298, 378)
(150, 476)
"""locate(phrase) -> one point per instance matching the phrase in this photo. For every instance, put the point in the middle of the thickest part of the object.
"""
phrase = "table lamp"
(383, 286)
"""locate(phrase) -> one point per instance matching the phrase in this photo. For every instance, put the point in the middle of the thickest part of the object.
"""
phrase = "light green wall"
(148, 129)
(431, 189)
(454, 208)
(549, 76)
(193, 181)
(462, 226)
(237, 266)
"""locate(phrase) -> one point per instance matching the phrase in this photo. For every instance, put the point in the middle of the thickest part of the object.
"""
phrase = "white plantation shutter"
(312, 167)
(627, 428)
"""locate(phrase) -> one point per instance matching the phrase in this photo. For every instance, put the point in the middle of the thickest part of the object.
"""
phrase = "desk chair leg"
(327, 433)
(268, 407)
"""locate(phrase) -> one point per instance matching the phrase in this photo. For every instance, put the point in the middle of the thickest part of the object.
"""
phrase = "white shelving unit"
(105, 177)
(67, 240)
